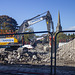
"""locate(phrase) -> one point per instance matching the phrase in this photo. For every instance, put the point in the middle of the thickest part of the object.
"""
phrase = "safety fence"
(26, 53)
(38, 53)
(64, 54)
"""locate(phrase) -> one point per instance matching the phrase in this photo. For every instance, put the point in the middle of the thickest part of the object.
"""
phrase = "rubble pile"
(67, 51)
(25, 56)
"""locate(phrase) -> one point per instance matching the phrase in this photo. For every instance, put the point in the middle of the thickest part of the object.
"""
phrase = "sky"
(22, 10)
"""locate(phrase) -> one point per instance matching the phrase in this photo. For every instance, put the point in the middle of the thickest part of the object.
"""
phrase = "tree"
(61, 37)
(7, 23)
(71, 36)
(28, 37)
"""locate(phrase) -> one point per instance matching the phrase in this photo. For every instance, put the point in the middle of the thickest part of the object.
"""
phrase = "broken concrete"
(67, 52)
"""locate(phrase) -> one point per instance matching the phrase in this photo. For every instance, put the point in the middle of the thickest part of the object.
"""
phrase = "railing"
(37, 54)
(62, 56)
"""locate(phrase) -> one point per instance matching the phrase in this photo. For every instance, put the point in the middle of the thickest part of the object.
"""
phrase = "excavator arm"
(37, 19)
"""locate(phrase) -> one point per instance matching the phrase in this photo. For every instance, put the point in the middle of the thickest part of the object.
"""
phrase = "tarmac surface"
(35, 70)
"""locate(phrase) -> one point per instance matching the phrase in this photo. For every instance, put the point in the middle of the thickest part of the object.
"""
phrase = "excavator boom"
(37, 19)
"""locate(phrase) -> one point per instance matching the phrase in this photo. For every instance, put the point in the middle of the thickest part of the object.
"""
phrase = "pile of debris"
(25, 56)
(67, 52)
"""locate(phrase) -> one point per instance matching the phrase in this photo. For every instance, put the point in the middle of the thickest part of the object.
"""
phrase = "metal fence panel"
(64, 54)
(31, 53)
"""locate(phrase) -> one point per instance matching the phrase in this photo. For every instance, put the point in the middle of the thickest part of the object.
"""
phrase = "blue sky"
(21, 10)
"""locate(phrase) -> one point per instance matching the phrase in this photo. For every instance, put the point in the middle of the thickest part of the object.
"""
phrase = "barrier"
(62, 55)
(37, 55)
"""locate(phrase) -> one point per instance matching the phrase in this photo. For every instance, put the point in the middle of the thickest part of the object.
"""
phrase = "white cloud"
(71, 28)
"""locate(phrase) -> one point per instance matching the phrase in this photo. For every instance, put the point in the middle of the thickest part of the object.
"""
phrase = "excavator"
(15, 54)
(13, 42)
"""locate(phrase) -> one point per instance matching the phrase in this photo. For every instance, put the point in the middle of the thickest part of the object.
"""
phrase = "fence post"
(51, 53)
